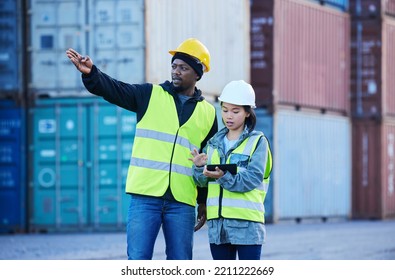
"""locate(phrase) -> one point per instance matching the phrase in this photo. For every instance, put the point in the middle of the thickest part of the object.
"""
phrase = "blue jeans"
(145, 217)
(228, 252)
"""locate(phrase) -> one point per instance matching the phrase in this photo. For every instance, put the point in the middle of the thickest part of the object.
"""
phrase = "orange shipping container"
(310, 44)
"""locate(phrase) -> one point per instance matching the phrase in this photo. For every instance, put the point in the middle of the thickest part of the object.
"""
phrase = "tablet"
(231, 167)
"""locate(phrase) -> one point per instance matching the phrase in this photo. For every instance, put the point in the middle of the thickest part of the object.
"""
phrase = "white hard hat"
(238, 93)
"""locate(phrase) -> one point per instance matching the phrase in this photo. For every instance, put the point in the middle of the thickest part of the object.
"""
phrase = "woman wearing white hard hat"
(235, 202)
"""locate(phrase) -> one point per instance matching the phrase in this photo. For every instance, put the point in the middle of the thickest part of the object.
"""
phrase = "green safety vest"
(235, 205)
(162, 147)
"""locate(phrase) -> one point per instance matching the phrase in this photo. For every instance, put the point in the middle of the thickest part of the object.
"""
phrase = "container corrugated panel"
(10, 47)
(311, 56)
(77, 177)
(366, 67)
(56, 26)
(365, 9)
(373, 169)
(12, 168)
(388, 169)
(110, 32)
(113, 130)
(116, 39)
(388, 61)
(312, 165)
(389, 7)
(262, 50)
(60, 183)
(228, 41)
(366, 180)
(341, 5)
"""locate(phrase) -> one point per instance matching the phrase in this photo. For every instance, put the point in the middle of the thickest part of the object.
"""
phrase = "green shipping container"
(80, 151)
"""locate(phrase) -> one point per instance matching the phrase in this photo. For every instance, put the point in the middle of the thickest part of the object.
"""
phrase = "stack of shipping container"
(80, 145)
(12, 119)
(322, 72)
(373, 108)
(300, 72)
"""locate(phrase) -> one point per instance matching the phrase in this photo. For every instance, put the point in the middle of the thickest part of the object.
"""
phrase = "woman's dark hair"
(251, 120)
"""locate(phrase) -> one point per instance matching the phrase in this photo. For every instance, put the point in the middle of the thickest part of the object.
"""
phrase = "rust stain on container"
(373, 195)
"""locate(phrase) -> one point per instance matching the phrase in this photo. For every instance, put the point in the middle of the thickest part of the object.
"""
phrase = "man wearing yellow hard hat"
(173, 118)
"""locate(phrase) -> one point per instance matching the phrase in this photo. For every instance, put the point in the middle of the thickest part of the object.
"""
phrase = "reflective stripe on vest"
(161, 148)
(246, 206)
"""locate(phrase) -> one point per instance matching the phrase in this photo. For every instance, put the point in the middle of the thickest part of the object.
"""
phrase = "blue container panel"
(9, 46)
(60, 183)
(82, 150)
(57, 210)
(112, 135)
(341, 5)
(12, 168)
(111, 209)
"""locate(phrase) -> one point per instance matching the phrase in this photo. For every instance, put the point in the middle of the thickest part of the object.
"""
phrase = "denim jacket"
(231, 230)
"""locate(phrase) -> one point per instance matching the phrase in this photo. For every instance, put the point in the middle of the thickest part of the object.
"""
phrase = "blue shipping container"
(10, 46)
(12, 168)
(81, 151)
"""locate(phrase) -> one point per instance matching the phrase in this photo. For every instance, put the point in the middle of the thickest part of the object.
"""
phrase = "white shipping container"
(222, 25)
(116, 41)
(312, 165)
(55, 26)
(110, 32)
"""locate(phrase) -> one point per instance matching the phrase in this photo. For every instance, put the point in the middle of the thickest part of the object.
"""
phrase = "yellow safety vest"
(235, 205)
(162, 147)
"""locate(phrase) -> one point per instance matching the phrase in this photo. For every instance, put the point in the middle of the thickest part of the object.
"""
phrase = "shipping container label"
(47, 153)
(47, 126)
(46, 177)
(7, 126)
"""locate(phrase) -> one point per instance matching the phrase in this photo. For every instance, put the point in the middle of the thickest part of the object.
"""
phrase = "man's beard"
(178, 89)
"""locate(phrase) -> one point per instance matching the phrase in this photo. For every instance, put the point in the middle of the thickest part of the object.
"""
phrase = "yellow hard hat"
(195, 48)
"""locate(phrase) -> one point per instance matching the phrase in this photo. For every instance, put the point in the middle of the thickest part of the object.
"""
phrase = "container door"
(112, 133)
(60, 185)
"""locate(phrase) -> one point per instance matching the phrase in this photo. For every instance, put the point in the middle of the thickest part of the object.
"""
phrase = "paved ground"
(312, 240)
